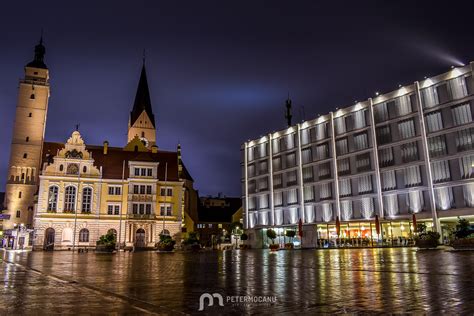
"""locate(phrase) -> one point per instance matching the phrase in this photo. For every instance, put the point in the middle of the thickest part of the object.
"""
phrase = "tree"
(463, 228)
(271, 234)
(290, 234)
(244, 237)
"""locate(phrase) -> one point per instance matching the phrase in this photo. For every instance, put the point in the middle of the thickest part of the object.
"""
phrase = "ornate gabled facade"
(67, 195)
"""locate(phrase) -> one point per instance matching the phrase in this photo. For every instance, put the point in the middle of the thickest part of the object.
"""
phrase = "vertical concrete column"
(334, 161)
(376, 159)
(424, 140)
(300, 173)
(270, 169)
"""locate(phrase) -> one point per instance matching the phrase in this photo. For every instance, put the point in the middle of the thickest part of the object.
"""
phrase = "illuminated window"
(70, 199)
(84, 235)
(53, 198)
(86, 200)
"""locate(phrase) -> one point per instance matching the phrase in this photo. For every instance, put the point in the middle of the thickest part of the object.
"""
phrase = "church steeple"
(38, 61)
(142, 119)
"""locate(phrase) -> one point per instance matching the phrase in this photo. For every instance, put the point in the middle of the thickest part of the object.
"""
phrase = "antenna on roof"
(288, 115)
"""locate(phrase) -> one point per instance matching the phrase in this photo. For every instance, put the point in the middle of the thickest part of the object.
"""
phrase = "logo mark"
(210, 298)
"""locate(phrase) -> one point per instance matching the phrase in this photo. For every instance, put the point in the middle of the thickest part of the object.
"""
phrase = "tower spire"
(40, 50)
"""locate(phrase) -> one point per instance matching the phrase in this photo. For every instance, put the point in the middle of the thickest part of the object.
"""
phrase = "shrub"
(463, 228)
(290, 233)
(244, 237)
(166, 243)
(107, 240)
(192, 239)
(271, 234)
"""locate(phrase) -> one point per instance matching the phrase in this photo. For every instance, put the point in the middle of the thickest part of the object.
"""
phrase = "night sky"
(219, 71)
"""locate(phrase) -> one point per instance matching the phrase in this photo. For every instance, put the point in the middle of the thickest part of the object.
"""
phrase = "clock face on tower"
(144, 141)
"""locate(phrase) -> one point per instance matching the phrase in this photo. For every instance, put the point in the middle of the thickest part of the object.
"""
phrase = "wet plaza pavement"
(398, 280)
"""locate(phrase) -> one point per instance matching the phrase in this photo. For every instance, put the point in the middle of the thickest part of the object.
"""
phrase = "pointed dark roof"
(142, 100)
(38, 61)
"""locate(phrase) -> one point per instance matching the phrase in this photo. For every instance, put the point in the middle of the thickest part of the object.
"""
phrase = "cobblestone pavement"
(303, 281)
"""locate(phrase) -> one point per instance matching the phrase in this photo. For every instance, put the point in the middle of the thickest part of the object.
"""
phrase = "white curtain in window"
(290, 160)
(444, 198)
(322, 152)
(468, 192)
(263, 184)
(343, 166)
(403, 105)
(263, 218)
(263, 149)
(464, 139)
(365, 184)
(277, 164)
(277, 180)
(290, 141)
(309, 215)
(305, 136)
(292, 196)
(326, 210)
(409, 151)
(306, 155)
(346, 210)
(466, 164)
(363, 161)
(429, 96)
(291, 177)
(381, 112)
(412, 176)
(252, 205)
(307, 174)
(359, 119)
(345, 187)
(275, 145)
(390, 204)
(415, 201)
(263, 201)
(462, 114)
(252, 186)
(278, 217)
(367, 207)
(341, 146)
(440, 171)
(389, 181)
(278, 198)
(325, 190)
(321, 131)
(263, 167)
(437, 146)
(386, 156)
(250, 155)
(434, 122)
(361, 141)
(324, 170)
(290, 216)
(407, 129)
(340, 125)
(309, 193)
(458, 87)
(253, 219)
(251, 170)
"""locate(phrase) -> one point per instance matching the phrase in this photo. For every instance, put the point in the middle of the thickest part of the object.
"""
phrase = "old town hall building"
(65, 195)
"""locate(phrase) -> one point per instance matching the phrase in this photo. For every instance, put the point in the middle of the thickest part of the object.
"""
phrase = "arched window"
(32, 96)
(61, 168)
(86, 200)
(53, 198)
(70, 199)
(143, 134)
(25, 155)
(84, 235)
(27, 139)
(84, 169)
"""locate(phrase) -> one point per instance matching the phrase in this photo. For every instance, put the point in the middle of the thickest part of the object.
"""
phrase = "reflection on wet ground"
(401, 280)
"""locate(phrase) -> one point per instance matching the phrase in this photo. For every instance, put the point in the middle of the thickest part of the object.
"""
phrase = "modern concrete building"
(409, 151)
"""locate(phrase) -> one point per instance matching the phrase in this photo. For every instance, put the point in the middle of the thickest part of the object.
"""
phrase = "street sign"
(4, 216)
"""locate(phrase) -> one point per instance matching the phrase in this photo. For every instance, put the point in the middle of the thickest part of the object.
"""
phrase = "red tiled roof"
(112, 162)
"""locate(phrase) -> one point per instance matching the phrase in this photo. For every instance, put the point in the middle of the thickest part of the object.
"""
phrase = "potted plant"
(244, 237)
(166, 243)
(426, 239)
(192, 242)
(272, 235)
(464, 236)
(290, 234)
(106, 243)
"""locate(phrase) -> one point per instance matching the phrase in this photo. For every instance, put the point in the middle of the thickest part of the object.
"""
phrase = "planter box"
(289, 245)
(165, 248)
(426, 243)
(274, 247)
(105, 248)
(464, 243)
